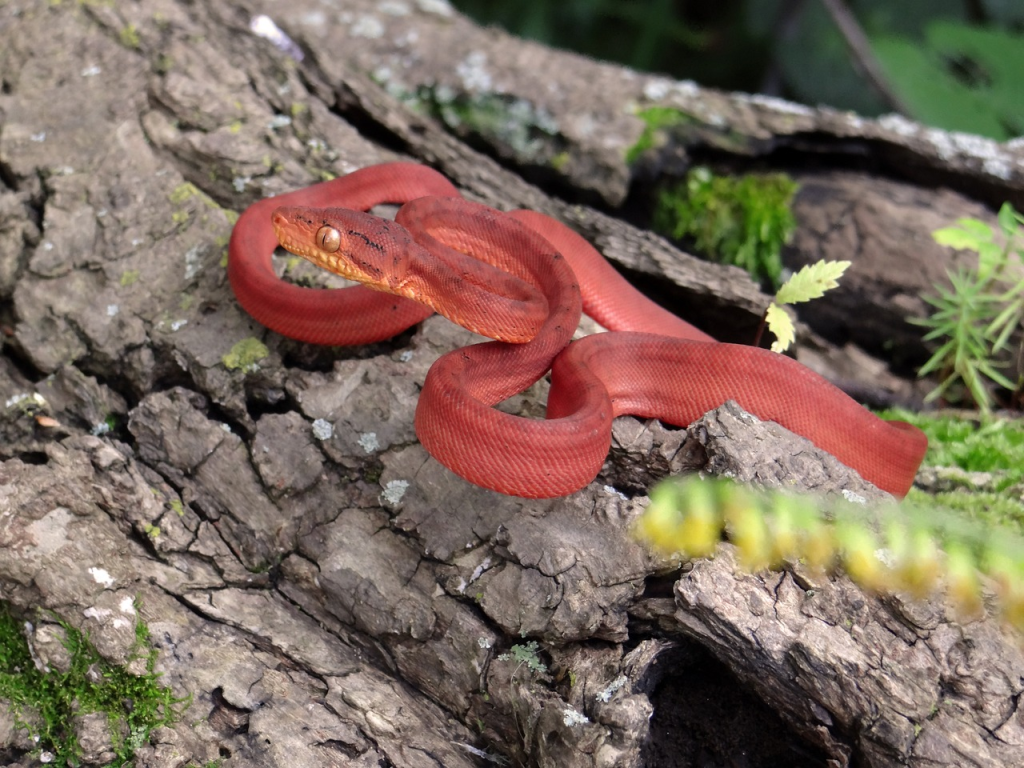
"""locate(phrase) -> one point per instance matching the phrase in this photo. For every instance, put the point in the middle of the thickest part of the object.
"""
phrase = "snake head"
(352, 244)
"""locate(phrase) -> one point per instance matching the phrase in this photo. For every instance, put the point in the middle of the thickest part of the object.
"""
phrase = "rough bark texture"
(336, 597)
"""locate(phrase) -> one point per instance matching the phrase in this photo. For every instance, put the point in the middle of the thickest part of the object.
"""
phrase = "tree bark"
(344, 599)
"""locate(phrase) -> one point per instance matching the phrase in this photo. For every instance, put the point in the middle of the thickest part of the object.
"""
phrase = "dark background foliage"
(956, 64)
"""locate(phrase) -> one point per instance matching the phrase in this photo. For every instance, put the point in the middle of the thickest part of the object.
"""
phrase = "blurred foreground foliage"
(905, 549)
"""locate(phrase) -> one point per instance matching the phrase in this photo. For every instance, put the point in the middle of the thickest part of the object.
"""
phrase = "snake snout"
(286, 218)
(294, 228)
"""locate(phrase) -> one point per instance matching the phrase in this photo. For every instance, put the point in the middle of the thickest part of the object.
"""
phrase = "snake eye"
(328, 239)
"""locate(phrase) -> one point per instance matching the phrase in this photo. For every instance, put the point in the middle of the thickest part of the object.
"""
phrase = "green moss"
(987, 508)
(187, 192)
(163, 64)
(742, 220)
(657, 122)
(994, 446)
(110, 424)
(128, 277)
(245, 355)
(970, 444)
(130, 37)
(182, 193)
(134, 704)
(514, 122)
(530, 131)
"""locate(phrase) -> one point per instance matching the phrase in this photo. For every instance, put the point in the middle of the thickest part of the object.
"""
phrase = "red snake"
(525, 285)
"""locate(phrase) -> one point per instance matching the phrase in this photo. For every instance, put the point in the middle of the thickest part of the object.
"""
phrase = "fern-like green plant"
(808, 284)
(976, 317)
(892, 548)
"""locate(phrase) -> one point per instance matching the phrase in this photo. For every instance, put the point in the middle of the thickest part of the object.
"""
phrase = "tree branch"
(863, 56)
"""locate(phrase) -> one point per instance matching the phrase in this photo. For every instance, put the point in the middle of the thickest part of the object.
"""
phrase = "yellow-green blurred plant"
(891, 548)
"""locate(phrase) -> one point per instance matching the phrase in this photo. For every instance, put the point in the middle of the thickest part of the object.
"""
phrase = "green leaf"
(1008, 218)
(955, 237)
(990, 372)
(961, 77)
(1005, 323)
(781, 325)
(933, 96)
(997, 58)
(991, 258)
(937, 359)
(811, 282)
(981, 231)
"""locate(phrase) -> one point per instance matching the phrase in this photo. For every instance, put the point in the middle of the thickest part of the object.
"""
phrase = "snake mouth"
(296, 232)
(293, 231)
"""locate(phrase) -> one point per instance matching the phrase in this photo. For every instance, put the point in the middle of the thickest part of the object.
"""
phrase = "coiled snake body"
(524, 283)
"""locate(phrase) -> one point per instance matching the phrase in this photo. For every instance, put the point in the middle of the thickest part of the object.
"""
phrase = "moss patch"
(130, 37)
(970, 444)
(185, 195)
(742, 220)
(45, 702)
(530, 131)
(245, 355)
(994, 446)
(514, 122)
(657, 124)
